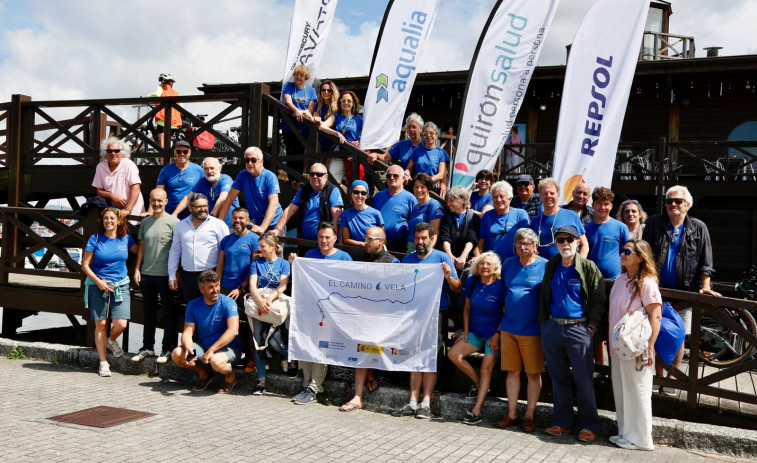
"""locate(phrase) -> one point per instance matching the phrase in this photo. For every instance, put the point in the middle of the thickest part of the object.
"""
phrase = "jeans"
(189, 285)
(151, 287)
(566, 347)
(276, 342)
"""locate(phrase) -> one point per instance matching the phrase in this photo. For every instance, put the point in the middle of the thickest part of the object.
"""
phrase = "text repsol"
(595, 113)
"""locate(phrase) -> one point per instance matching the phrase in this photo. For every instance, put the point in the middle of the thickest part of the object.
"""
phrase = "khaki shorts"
(521, 352)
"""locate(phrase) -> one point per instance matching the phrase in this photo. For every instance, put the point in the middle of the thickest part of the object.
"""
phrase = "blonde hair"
(647, 266)
(494, 257)
(272, 239)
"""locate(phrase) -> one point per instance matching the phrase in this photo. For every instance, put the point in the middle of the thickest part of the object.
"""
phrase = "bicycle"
(719, 346)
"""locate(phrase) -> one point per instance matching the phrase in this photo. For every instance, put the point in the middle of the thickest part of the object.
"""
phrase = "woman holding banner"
(484, 303)
(430, 160)
(347, 125)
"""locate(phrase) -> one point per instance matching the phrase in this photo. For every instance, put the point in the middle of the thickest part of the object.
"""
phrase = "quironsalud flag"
(502, 66)
(403, 37)
(367, 315)
(308, 31)
(598, 81)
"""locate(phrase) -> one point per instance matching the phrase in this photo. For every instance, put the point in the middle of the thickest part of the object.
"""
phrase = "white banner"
(399, 47)
(311, 23)
(368, 315)
(595, 94)
(502, 66)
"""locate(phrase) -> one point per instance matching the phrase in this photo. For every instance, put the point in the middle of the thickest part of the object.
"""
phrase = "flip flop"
(227, 387)
(350, 406)
(372, 385)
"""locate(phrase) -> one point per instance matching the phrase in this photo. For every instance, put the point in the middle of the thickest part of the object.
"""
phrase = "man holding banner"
(424, 253)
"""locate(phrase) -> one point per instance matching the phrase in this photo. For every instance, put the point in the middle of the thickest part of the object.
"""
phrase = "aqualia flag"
(598, 80)
(502, 66)
(367, 315)
(399, 47)
(311, 23)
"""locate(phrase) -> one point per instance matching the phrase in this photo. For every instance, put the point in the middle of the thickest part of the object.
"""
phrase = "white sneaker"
(104, 370)
(614, 439)
(163, 357)
(142, 354)
(115, 348)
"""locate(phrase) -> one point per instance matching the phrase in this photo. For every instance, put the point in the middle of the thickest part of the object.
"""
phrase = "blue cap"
(361, 183)
(524, 178)
(570, 229)
(182, 143)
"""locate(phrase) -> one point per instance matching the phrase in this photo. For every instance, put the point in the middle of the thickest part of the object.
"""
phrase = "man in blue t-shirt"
(554, 217)
(571, 303)
(606, 236)
(426, 254)
(402, 151)
(215, 319)
(215, 186)
(395, 205)
(261, 192)
(179, 177)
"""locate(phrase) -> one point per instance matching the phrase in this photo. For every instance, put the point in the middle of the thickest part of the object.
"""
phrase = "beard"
(567, 252)
(421, 249)
(200, 215)
(213, 178)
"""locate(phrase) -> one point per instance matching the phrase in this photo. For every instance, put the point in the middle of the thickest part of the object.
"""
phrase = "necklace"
(552, 230)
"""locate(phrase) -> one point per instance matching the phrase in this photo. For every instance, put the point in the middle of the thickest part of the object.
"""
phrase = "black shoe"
(406, 410)
(471, 418)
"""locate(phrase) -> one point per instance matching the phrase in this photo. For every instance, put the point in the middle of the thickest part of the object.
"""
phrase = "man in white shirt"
(195, 244)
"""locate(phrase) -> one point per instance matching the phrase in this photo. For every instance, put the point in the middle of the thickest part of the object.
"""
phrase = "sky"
(76, 49)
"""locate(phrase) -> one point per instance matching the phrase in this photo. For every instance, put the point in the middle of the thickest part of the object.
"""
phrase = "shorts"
(102, 308)
(480, 344)
(522, 352)
(232, 353)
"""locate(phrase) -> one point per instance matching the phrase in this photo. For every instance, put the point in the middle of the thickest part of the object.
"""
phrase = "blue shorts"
(104, 308)
(232, 353)
(480, 343)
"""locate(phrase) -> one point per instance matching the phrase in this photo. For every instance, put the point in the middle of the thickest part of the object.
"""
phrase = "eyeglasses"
(676, 201)
(326, 90)
(360, 192)
(318, 174)
(393, 175)
(428, 134)
(524, 244)
(628, 252)
(346, 101)
(373, 238)
(110, 151)
(563, 239)
(250, 160)
(181, 151)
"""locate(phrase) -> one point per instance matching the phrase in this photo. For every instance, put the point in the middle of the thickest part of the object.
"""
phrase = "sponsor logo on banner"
(399, 48)
(598, 81)
(502, 66)
(310, 27)
(323, 344)
(370, 349)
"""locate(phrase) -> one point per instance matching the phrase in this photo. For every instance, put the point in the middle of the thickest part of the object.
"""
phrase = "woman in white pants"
(635, 289)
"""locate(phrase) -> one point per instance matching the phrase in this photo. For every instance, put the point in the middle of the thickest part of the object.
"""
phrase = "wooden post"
(694, 341)
(96, 135)
(661, 147)
(255, 123)
(16, 147)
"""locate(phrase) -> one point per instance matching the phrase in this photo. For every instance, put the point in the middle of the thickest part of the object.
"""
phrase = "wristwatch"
(241, 289)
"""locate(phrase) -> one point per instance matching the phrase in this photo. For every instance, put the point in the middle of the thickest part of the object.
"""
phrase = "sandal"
(250, 367)
(227, 386)
(350, 406)
(372, 384)
(202, 383)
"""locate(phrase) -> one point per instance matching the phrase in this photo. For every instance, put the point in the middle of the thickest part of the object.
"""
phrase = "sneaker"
(626, 444)
(292, 371)
(300, 396)
(115, 348)
(668, 391)
(309, 396)
(473, 393)
(587, 436)
(406, 410)
(614, 439)
(164, 356)
(423, 413)
(471, 418)
(259, 388)
(142, 354)
(655, 389)
(104, 370)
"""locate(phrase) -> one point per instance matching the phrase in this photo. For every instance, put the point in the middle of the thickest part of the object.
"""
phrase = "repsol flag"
(311, 23)
(501, 68)
(368, 315)
(399, 47)
(595, 94)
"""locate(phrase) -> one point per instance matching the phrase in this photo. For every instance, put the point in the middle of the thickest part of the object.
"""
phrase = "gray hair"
(684, 191)
(212, 159)
(431, 126)
(254, 150)
(503, 186)
(527, 234)
(125, 148)
(494, 257)
(458, 193)
(414, 117)
(194, 197)
(549, 181)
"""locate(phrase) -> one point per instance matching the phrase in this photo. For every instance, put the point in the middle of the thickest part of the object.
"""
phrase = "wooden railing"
(662, 45)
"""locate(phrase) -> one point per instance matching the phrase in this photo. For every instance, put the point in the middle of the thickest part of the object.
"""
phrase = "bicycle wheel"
(719, 346)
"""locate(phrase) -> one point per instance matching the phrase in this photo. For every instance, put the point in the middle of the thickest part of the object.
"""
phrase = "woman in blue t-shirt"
(269, 276)
(328, 104)
(347, 125)
(107, 286)
(428, 159)
(360, 217)
(300, 97)
(484, 303)
(427, 210)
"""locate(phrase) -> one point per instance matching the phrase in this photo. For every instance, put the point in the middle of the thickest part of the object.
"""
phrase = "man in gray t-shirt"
(155, 236)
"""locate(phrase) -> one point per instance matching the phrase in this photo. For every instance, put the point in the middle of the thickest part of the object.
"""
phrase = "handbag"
(671, 336)
(276, 316)
(630, 336)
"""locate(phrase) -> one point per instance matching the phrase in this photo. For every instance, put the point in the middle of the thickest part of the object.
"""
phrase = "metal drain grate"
(101, 417)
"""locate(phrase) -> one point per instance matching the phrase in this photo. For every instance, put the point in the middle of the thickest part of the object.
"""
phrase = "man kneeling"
(216, 320)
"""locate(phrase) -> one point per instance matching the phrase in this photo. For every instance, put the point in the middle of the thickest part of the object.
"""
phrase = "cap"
(570, 229)
(182, 143)
(525, 178)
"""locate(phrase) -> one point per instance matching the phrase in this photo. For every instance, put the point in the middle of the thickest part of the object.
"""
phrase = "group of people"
(524, 277)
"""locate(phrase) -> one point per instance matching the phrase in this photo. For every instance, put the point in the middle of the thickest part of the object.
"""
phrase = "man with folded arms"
(571, 302)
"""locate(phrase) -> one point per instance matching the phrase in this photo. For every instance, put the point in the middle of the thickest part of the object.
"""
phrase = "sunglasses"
(110, 151)
(628, 252)
(563, 239)
(360, 192)
(372, 238)
(393, 175)
(346, 101)
(521, 184)
(318, 174)
(632, 201)
(181, 151)
(250, 160)
(428, 134)
(676, 201)
(326, 90)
